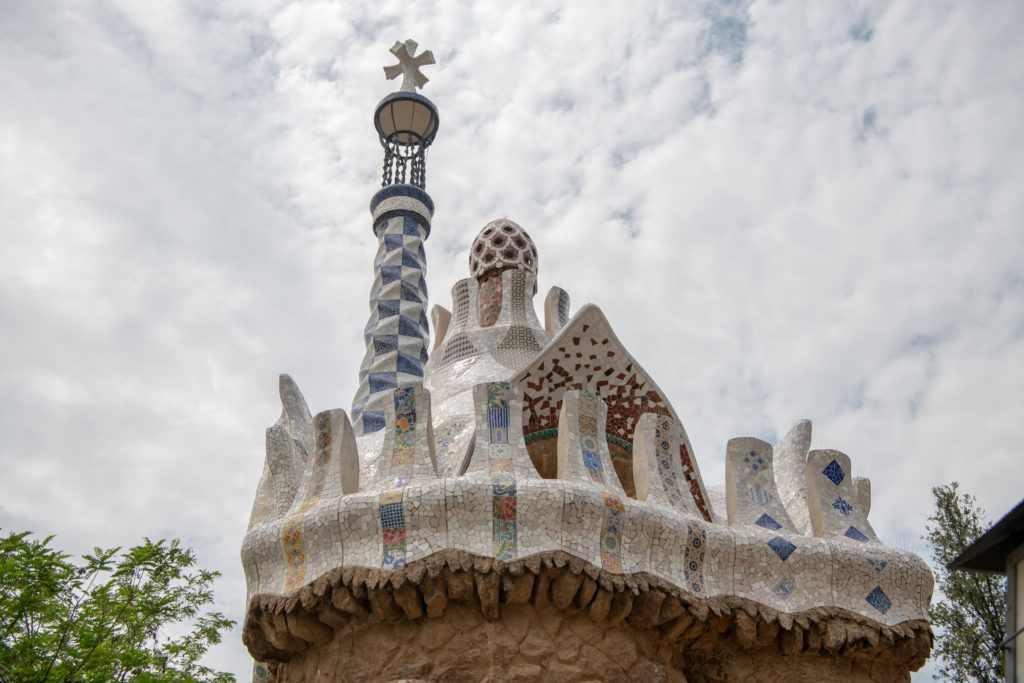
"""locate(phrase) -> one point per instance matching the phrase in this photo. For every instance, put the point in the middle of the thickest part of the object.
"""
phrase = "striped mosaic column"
(396, 333)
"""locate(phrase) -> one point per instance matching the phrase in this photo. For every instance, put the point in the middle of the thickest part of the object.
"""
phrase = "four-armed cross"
(408, 65)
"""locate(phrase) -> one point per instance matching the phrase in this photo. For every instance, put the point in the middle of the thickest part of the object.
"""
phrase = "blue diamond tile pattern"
(783, 589)
(856, 534)
(398, 319)
(834, 472)
(767, 522)
(782, 547)
(842, 506)
(879, 600)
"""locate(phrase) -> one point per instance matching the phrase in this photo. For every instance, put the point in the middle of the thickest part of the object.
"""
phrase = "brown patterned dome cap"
(502, 245)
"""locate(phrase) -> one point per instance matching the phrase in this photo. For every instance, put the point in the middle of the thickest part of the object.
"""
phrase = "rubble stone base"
(547, 644)
(465, 618)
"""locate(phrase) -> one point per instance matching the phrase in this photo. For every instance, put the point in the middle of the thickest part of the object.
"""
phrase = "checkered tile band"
(397, 331)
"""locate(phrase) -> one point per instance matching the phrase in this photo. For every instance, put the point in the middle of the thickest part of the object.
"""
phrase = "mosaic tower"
(396, 333)
(525, 504)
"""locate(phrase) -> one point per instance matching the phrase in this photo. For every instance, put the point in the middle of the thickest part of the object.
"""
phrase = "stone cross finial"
(408, 65)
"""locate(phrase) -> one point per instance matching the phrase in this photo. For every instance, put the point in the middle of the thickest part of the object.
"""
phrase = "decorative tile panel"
(832, 500)
(408, 447)
(499, 447)
(611, 534)
(334, 454)
(751, 496)
(452, 441)
(693, 557)
(582, 452)
(657, 471)
(392, 522)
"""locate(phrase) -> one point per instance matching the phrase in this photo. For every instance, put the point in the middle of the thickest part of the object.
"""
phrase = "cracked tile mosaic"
(585, 455)
(782, 547)
(449, 439)
(489, 300)
(751, 495)
(291, 532)
(442, 462)
(832, 501)
(564, 514)
(693, 557)
(790, 461)
(520, 345)
(392, 519)
(879, 600)
(783, 589)
(611, 534)
(502, 474)
(589, 357)
(397, 318)
(834, 472)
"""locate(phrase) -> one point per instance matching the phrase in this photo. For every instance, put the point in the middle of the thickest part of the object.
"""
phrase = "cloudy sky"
(786, 209)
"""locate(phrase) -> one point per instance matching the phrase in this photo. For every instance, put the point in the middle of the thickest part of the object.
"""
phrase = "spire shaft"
(396, 333)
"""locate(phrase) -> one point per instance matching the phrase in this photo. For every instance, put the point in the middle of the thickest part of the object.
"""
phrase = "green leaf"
(103, 618)
(969, 622)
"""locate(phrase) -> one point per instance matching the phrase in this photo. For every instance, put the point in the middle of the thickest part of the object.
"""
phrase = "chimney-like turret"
(396, 333)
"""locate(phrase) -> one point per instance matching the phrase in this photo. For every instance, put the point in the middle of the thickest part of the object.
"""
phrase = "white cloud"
(787, 209)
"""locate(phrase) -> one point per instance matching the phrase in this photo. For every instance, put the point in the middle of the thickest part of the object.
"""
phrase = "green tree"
(970, 620)
(113, 616)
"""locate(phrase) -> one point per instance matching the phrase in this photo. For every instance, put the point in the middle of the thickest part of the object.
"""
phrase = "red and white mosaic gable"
(586, 355)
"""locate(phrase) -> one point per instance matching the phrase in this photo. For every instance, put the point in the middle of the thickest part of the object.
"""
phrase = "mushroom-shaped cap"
(502, 245)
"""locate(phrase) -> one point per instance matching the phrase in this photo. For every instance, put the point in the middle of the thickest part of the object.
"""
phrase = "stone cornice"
(277, 628)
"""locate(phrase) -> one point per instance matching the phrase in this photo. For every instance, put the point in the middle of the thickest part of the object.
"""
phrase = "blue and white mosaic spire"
(396, 333)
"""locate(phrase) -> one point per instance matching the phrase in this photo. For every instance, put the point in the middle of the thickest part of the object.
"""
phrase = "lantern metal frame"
(406, 124)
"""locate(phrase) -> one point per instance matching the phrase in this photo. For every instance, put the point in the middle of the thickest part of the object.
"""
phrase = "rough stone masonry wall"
(455, 616)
